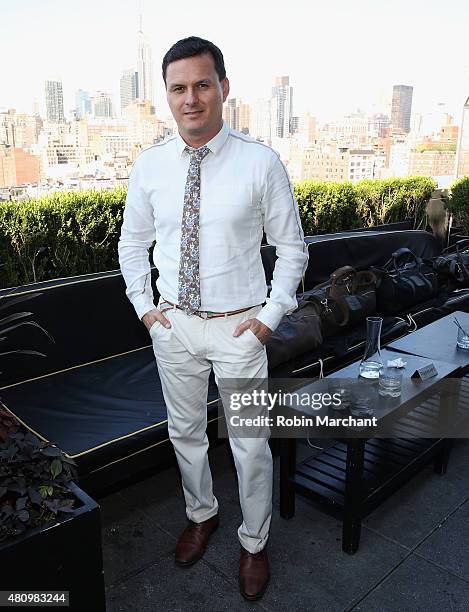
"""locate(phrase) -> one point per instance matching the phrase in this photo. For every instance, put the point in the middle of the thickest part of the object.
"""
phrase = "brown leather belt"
(207, 314)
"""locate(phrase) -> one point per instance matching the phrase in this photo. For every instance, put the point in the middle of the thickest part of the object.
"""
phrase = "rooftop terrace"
(413, 552)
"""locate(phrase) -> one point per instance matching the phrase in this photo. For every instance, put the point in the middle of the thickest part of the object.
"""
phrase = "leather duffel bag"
(345, 299)
(405, 280)
(452, 266)
(297, 333)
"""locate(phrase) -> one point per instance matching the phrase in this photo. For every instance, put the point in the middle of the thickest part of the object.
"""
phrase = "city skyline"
(438, 73)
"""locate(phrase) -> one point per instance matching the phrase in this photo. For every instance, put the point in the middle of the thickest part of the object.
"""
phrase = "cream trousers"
(185, 354)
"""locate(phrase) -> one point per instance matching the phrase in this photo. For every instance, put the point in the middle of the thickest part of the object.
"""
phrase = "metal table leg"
(287, 470)
(352, 520)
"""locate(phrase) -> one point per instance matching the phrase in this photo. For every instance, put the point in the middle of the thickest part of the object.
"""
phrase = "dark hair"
(191, 46)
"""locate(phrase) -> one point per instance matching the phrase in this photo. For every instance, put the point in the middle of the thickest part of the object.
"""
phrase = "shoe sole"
(189, 563)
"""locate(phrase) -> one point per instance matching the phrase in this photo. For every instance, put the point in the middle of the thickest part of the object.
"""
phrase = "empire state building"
(144, 67)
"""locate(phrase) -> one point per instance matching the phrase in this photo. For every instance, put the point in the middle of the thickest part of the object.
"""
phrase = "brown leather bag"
(297, 333)
(347, 298)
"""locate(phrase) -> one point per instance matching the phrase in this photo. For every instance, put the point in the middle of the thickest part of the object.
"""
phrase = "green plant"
(332, 207)
(33, 479)
(78, 230)
(458, 202)
(68, 234)
(16, 320)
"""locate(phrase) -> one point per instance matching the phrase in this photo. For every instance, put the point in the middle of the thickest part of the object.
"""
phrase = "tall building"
(244, 117)
(54, 102)
(102, 105)
(281, 107)
(128, 87)
(305, 128)
(379, 122)
(144, 67)
(230, 113)
(82, 103)
(236, 114)
(462, 151)
(7, 127)
(259, 121)
(401, 108)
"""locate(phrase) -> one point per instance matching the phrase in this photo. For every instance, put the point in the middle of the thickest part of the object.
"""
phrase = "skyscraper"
(128, 87)
(102, 105)
(230, 113)
(259, 121)
(236, 114)
(82, 103)
(462, 152)
(144, 67)
(54, 102)
(401, 107)
(244, 117)
(281, 107)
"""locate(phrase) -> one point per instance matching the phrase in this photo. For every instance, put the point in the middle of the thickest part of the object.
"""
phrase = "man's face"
(195, 96)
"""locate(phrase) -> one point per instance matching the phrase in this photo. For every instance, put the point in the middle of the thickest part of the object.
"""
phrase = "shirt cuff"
(271, 315)
(143, 303)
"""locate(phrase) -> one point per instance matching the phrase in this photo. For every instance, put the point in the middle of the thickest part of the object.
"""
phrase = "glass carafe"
(372, 364)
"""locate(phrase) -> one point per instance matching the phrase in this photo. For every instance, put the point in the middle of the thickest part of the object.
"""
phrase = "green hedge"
(459, 202)
(332, 207)
(81, 229)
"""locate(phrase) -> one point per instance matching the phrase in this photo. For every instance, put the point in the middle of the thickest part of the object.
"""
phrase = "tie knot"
(197, 154)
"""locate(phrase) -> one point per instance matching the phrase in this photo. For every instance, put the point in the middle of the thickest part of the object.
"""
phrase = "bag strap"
(399, 255)
(336, 277)
(462, 267)
(344, 272)
(457, 246)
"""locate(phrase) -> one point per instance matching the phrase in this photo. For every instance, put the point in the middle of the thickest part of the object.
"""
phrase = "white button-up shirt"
(244, 187)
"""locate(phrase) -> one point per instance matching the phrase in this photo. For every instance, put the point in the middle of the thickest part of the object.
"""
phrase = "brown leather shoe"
(253, 574)
(193, 541)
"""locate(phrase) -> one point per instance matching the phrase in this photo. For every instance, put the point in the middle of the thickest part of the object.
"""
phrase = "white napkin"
(396, 363)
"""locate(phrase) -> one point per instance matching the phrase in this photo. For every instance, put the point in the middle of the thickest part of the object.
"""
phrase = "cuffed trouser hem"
(197, 517)
(251, 547)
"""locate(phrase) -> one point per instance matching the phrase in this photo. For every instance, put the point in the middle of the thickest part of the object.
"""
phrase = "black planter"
(63, 556)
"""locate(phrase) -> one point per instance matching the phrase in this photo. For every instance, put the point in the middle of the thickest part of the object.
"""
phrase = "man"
(205, 195)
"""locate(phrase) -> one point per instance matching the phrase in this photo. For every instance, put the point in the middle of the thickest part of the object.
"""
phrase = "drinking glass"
(390, 382)
(339, 387)
(463, 339)
(363, 399)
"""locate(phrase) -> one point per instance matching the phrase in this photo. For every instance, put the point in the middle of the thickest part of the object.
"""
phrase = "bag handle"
(400, 254)
(342, 273)
(338, 275)
(457, 246)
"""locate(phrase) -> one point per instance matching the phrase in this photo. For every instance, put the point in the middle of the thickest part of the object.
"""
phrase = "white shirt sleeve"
(283, 229)
(137, 235)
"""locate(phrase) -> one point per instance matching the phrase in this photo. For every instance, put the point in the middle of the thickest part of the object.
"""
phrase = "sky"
(340, 54)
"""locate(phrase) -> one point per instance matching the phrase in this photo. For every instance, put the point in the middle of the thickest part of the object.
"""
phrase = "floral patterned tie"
(189, 279)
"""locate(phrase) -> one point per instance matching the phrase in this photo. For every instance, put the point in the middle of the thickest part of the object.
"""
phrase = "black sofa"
(97, 395)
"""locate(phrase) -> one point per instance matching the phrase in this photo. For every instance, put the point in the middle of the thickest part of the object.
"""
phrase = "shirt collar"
(215, 144)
